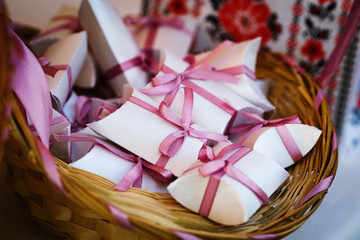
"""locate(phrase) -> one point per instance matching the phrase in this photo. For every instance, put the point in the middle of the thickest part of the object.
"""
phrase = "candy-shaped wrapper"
(285, 144)
(215, 106)
(112, 44)
(173, 34)
(220, 196)
(141, 131)
(114, 168)
(62, 63)
(242, 55)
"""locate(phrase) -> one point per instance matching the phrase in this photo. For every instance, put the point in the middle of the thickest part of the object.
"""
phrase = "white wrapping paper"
(234, 203)
(112, 167)
(70, 50)
(141, 132)
(238, 54)
(111, 43)
(267, 141)
(206, 113)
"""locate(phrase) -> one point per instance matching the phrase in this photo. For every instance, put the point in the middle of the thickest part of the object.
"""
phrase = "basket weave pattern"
(158, 215)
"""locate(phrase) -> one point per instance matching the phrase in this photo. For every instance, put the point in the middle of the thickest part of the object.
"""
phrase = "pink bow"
(259, 122)
(223, 164)
(169, 83)
(71, 23)
(51, 70)
(173, 142)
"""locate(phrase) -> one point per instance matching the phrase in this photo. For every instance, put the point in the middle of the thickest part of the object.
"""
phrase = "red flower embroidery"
(246, 19)
(313, 50)
(177, 7)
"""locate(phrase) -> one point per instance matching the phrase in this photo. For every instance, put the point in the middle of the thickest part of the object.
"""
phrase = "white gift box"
(141, 132)
(112, 44)
(114, 168)
(206, 113)
(286, 145)
(233, 203)
(242, 54)
(70, 51)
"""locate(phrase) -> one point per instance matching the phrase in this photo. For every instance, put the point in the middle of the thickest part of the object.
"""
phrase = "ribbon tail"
(130, 178)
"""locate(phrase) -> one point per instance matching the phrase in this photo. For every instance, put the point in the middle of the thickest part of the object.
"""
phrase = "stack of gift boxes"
(175, 122)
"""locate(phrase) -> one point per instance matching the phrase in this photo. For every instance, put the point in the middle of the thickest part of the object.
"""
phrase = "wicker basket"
(84, 214)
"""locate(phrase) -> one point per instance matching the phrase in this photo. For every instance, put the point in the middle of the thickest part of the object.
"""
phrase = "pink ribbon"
(320, 187)
(289, 143)
(154, 23)
(30, 85)
(318, 98)
(173, 142)
(258, 123)
(219, 166)
(169, 83)
(51, 70)
(72, 23)
(120, 68)
(342, 45)
(106, 106)
(134, 176)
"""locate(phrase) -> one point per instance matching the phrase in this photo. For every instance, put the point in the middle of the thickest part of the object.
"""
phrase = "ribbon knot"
(222, 164)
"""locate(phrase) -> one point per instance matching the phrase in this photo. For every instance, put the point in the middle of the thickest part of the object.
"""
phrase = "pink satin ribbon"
(320, 187)
(51, 70)
(72, 23)
(134, 176)
(153, 23)
(173, 142)
(289, 143)
(318, 98)
(219, 166)
(342, 45)
(169, 83)
(268, 236)
(258, 123)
